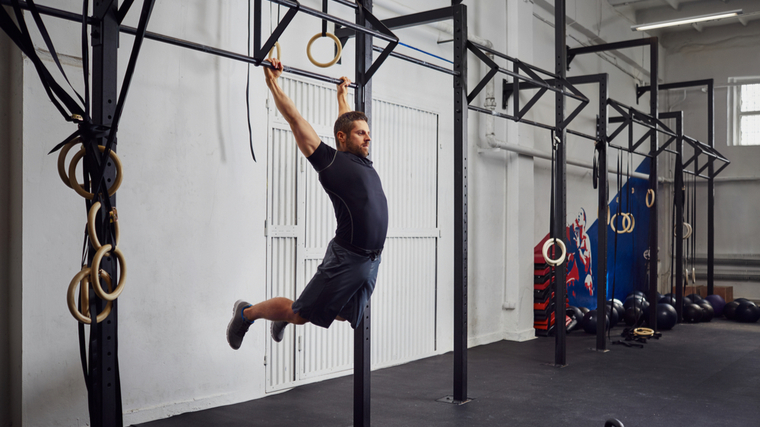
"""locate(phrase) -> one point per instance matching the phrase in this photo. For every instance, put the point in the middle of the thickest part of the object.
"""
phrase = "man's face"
(357, 142)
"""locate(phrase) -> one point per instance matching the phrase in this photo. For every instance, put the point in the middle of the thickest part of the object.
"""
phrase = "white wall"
(719, 53)
(192, 205)
(5, 211)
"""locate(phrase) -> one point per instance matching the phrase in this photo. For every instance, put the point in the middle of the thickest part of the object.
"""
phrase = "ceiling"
(649, 11)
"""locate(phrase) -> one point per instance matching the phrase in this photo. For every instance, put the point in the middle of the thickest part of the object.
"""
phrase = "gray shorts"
(341, 287)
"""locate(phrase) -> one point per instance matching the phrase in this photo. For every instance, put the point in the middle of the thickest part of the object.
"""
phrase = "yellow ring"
(95, 269)
(91, 226)
(694, 275)
(62, 161)
(650, 203)
(626, 216)
(78, 188)
(688, 230)
(83, 278)
(545, 251)
(337, 55)
(277, 46)
(643, 332)
(632, 223)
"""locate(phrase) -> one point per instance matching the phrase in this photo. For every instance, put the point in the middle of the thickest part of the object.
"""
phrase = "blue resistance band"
(426, 53)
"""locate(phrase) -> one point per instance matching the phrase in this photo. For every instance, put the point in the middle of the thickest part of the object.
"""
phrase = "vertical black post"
(560, 172)
(460, 203)
(105, 390)
(678, 190)
(256, 28)
(653, 180)
(601, 252)
(362, 349)
(710, 190)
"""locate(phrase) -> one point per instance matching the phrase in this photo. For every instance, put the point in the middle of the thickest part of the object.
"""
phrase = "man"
(346, 278)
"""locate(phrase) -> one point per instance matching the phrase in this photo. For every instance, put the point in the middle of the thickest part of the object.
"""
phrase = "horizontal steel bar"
(418, 61)
(610, 46)
(420, 18)
(746, 262)
(507, 116)
(46, 10)
(184, 43)
(582, 135)
(229, 55)
(542, 85)
(334, 19)
(629, 151)
(695, 174)
(677, 85)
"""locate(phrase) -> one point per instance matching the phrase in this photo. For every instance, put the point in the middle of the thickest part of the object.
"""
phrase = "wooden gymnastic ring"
(545, 252)
(626, 216)
(95, 269)
(83, 279)
(693, 275)
(632, 223)
(91, 225)
(78, 188)
(337, 55)
(276, 46)
(62, 161)
(650, 203)
(688, 231)
(643, 332)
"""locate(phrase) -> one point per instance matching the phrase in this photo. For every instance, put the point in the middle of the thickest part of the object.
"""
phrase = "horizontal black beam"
(582, 135)
(420, 18)
(629, 151)
(507, 116)
(418, 61)
(335, 20)
(610, 46)
(70, 16)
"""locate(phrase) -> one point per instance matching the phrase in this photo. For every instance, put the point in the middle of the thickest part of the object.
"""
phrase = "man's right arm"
(306, 138)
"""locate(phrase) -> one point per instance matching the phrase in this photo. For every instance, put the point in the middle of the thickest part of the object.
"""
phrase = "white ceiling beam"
(675, 4)
(698, 26)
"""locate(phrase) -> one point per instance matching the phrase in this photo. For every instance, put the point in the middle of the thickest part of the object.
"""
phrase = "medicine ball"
(747, 312)
(741, 300)
(729, 310)
(635, 301)
(707, 311)
(619, 307)
(667, 300)
(612, 313)
(687, 301)
(717, 302)
(632, 315)
(584, 310)
(638, 294)
(692, 313)
(589, 322)
(577, 315)
(667, 317)
(695, 298)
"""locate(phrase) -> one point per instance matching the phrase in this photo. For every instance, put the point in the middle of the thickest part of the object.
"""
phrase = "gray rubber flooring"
(695, 375)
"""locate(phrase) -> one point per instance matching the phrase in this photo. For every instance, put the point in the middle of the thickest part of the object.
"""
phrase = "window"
(744, 110)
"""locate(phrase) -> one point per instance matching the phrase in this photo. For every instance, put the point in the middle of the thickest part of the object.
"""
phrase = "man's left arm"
(343, 96)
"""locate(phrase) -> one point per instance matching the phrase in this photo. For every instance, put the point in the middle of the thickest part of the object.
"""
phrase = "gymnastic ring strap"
(545, 252)
(78, 187)
(113, 217)
(83, 280)
(650, 202)
(96, 271)
(337, 55)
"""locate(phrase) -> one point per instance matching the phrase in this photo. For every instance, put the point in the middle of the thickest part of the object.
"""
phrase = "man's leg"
(275, 309)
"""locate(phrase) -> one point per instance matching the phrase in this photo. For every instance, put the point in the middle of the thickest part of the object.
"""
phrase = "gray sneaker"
(278, 330)
(238, 325)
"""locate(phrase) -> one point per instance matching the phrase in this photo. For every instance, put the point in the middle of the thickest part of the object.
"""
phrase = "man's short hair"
(345, 123)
